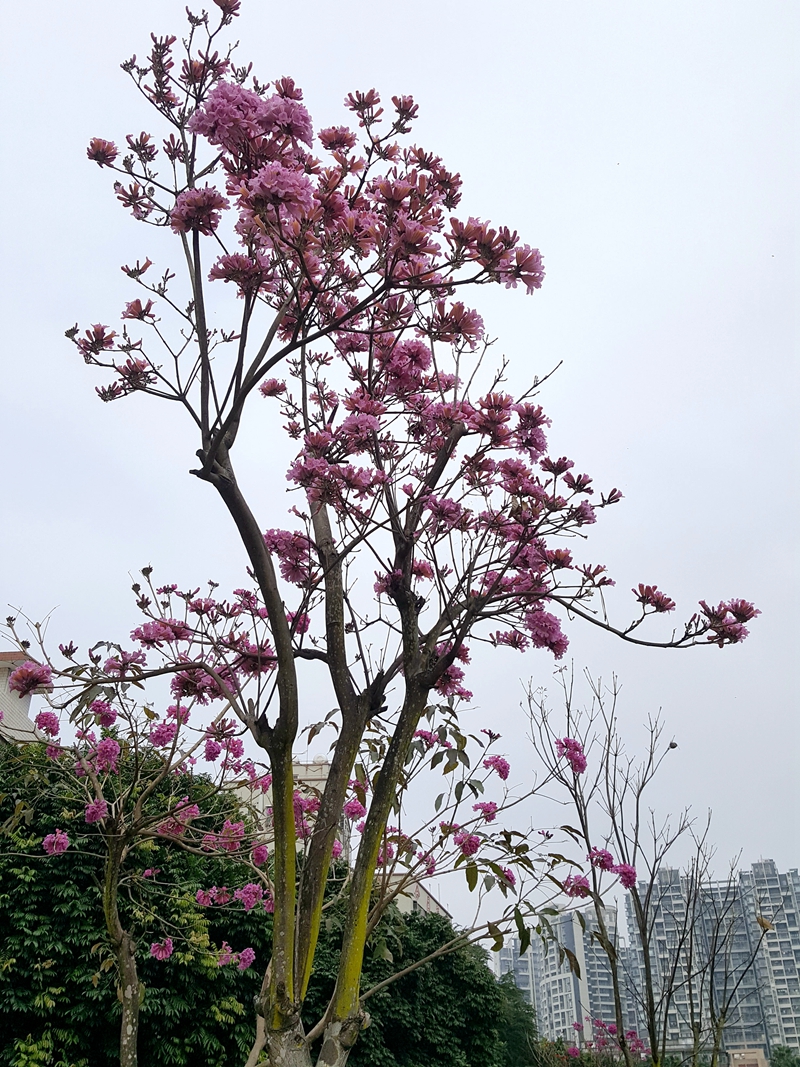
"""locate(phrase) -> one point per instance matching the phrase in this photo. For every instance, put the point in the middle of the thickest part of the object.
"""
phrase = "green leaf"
(472, 875)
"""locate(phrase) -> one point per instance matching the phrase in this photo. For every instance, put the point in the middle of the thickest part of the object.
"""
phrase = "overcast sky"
(648, 150)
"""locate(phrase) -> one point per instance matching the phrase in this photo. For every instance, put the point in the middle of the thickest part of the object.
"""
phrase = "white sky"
(648, 150)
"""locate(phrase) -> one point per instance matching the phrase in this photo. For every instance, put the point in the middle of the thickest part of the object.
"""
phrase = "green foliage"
(782, 1056)
(449, 1013)
(58, 997)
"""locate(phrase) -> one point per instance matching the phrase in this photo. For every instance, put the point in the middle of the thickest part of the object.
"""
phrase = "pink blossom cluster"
(576, 885)
(162, 950)
(572, 750)
(56, 843)
(29, 677)
(243, 959)
(498, 764)
(487, 808)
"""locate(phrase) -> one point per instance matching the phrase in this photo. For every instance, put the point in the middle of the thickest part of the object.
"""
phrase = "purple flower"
(226, 956)
(97, 810)
(161, 950)
(197, 209)
(246, 957)
(576, 885)
(497, 763)
(573, 750)
(30, 676)
(468, 843)
(106, 755)
(106, 716)
(354, 809)
(47, 721)
(259, 855)
(55, 844)
(276, 189)
(601, 859)
(249, 895)
(509, 876)
(163, 734)
(626, 873)
(212, 749)
(488, 809)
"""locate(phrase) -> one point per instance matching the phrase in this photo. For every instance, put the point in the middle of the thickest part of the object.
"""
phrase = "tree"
(58, 998)
(411, 462)
(691, 955)
(615, 791)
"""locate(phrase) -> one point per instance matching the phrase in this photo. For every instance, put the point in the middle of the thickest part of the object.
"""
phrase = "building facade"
(747, 925)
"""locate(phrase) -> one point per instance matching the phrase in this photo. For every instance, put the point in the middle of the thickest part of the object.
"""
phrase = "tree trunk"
(128, 990)
(129, 994)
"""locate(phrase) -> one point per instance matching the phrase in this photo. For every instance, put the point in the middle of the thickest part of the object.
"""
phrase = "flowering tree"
(416, 474)
(181, 780)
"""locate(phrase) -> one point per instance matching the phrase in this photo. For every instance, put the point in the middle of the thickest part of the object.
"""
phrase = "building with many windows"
(748, 925)
(563, 995)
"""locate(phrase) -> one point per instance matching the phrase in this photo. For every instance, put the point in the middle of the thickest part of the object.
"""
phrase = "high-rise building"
(749, 927)
(560, 996)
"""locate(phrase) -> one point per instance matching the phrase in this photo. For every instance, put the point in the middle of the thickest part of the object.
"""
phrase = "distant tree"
(782, 1056)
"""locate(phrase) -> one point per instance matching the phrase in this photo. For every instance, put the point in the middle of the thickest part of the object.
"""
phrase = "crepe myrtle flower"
(56, 843)
(576, 885)
(161, 950)
(498, 764)
(626, 874)
(30, 676)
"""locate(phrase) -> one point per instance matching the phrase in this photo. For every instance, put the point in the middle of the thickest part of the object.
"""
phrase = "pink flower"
(573, 751)
(354, 809)
(246, 957)
(498, 764)
(161, 950)
(203, 897)
(468, 843)
(650, 597)
(249, 895)
(47, 721)
(259, 855)
(106, 755)
(336, 851)
(163, 734)
(226, 956)
(197, 209)
(102, 152)
(576, 885)
(55, 844)
(97, 810)
(30, 676)
(277, 190)
(52, 751)
(626, 873)
(509, 876)
(212, 749)
(488, 809)
(106, 716)
(573, 1051)
(151, 872)
(601, 859)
